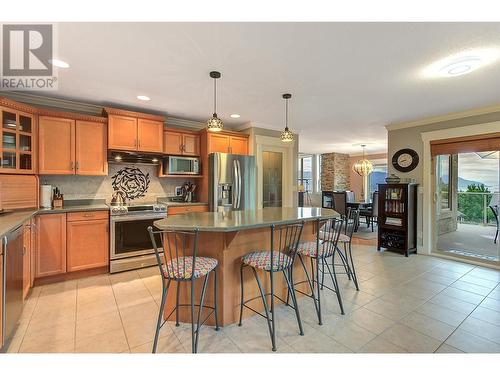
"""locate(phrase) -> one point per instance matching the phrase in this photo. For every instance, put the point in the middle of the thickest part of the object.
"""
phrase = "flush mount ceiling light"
(214, 124)
(463, 63)
(59, 63)
(363, 167)
(143, 98)
(286, 135)
(235, 115)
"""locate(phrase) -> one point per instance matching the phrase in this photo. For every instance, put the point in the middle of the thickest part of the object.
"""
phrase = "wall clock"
(405, 160)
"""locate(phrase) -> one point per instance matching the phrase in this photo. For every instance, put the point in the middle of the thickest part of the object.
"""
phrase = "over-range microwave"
(181, 165)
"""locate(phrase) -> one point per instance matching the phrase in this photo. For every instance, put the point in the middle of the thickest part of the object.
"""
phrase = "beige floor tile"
(93, 281)
(351, 335)
(370, 320)
(453, 303)
(428, 326)
(474, 279)
(143, 331)
(170, 344)
(463, 295)
(123, 277)
(495, 294)
(473, 288)
(52, 339)
(486, 273)
(482, 329)
(141, 312)
(317, 343)
(133, 296)
(445, 280)
(448, 349)
(470, 343)
(95, 308)
(401, 299)
(108, 342)
(57, 346)
(491, 303)
(42, 322)
(381, 345)
(488, 315)
(388, 309)
(106, 322)
(450, 317)
(410, 340)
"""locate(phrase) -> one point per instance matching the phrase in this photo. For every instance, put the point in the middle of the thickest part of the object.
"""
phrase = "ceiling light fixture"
(363, 167)
(286, 135)
(59, 63)
(235, 115)
(214, 124)
(143, 98)
(462, 63)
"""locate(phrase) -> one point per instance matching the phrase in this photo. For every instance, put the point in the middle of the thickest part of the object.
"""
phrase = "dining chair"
(340, 202)
(371, 213)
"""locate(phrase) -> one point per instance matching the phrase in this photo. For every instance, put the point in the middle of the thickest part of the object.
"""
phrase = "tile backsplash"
(100, 187)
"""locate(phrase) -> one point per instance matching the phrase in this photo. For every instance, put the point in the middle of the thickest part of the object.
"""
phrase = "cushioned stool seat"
(181, 268)
(262, 260)
(342, 237)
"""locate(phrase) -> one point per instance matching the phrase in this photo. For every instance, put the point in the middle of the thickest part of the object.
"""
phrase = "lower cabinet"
(176, 210)
(87, 244)
(50, 245)
(71, 242)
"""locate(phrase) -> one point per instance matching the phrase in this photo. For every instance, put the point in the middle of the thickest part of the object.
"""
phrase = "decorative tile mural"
(131, 181)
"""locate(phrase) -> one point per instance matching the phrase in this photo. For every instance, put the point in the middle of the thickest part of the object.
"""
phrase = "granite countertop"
(241, 220)
(185, 203)
(11, 220)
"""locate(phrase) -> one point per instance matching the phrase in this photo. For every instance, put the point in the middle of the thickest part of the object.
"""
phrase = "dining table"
(358, 205)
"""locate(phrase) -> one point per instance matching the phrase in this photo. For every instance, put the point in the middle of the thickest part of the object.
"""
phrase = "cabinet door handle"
(77, 165)
(139, 143)
(72, 165)
(88, 215)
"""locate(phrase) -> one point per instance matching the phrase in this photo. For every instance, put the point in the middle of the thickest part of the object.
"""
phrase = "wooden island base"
(228, 248)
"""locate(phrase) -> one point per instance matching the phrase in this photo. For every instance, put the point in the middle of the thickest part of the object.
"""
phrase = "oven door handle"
(119, 218)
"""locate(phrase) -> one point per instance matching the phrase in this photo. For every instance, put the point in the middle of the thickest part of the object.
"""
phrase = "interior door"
(272, 182)
(150, 135)
(91, 148)
(56, 145)
(122, 133)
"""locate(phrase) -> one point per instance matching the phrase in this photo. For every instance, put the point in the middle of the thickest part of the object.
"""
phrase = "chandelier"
(363, 167)
(214, 124)
(286, 135)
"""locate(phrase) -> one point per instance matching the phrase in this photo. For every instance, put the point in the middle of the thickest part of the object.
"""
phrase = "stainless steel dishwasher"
(12, 252)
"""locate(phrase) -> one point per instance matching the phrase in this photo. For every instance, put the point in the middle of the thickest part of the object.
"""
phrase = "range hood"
(131, 157)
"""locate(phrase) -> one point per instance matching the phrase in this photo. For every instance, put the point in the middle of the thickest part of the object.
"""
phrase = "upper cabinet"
(69, 146)
(177, 142)
(18, 138)
(227, 142)
(134, 131)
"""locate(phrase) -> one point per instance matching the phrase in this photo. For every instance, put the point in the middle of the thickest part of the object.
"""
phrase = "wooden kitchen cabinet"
(56, 145)
(181, 143)
(238, 145)
(69, 146)
(91, 148)
(18, 138)
(87, 240)
(228, 143)
(50, 245)
(176, 210)
(26, 258)
(150, 135)
(134, 131)
(122, 133)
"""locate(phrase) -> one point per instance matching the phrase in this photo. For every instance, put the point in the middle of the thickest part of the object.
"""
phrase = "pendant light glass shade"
(363, 167)
(214, 124)
(286, 135)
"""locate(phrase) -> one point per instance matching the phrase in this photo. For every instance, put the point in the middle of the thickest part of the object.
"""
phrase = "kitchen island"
(229, 236)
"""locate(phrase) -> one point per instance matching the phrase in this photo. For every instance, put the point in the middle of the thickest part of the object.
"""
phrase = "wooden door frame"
(428, 210)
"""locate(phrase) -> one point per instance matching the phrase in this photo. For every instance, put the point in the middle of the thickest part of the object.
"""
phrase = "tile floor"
(419, 304)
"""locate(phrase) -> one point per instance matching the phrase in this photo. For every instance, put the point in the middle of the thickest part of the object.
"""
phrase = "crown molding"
(123, 112)
(17, 106)
(184, 123)
(445, 117)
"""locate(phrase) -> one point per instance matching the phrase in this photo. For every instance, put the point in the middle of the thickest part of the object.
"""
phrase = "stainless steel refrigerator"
(231, 184)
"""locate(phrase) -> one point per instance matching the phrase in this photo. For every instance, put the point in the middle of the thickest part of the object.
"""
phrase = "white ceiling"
(348, 80)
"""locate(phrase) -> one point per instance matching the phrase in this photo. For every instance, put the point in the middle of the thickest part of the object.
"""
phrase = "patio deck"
(471, 240)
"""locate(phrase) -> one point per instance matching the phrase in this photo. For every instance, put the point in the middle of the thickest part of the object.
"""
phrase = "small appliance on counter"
(118, 199)
(57, 198)
(45, 196)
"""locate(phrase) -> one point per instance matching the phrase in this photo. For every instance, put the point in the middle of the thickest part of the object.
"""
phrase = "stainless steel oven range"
(130, 244)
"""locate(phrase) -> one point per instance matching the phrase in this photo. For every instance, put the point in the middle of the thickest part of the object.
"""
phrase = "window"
(443, 181)
(305, 177)
(376, 177)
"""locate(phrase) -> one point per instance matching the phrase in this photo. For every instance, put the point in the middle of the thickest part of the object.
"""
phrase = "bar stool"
(278, 259)
(319, 252)
(182, 264)
(351, 220)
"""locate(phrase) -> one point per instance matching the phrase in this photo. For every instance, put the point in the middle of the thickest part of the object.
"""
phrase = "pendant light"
(214, 124)
(363, 167)
(286, 135)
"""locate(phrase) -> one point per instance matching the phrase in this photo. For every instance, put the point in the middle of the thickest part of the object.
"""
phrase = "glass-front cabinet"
(17, 153)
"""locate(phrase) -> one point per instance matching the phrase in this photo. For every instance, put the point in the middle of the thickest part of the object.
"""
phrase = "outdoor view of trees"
(471, 207)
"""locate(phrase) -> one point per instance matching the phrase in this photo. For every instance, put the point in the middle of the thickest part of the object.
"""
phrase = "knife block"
(57, 203)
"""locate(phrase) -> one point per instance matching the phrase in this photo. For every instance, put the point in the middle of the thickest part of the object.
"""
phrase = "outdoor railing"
(473, 208)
